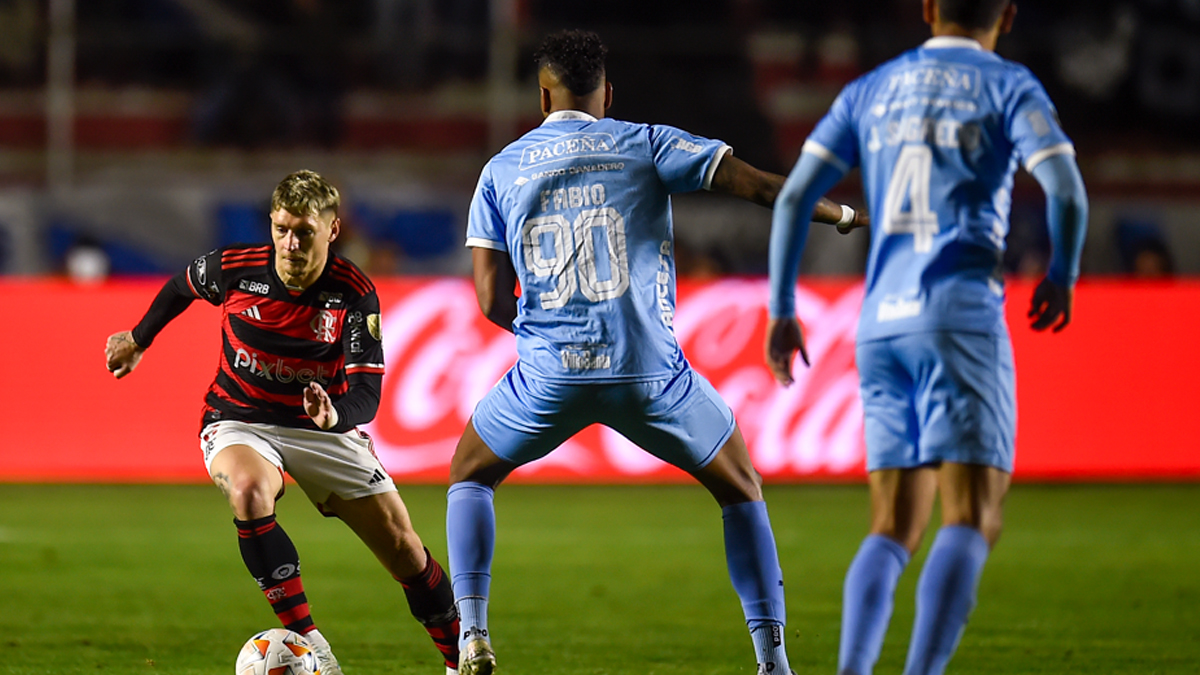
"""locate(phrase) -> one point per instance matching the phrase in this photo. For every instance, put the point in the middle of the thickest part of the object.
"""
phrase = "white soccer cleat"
(451, 671)
(325, 657)
(477, 659)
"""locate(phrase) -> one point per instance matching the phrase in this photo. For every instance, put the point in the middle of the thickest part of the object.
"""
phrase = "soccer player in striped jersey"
(578, 211)
(301, 366)
(939, 132)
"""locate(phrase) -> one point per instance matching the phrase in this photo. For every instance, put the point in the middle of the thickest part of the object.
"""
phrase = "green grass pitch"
(588, 581)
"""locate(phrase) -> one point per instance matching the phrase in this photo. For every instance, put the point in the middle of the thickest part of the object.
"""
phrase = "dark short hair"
(576, 57)
(972, 14)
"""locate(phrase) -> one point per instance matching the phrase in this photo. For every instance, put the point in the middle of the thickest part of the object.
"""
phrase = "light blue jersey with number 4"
(582, 206)
(938, 132)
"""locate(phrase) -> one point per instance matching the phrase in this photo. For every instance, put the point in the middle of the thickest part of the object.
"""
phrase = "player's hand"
(122, 354)
(319, 406)
(861, 219)
(784, 339)
(1051, 303)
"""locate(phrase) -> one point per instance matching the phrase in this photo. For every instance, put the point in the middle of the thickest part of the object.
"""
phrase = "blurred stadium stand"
(157, 128)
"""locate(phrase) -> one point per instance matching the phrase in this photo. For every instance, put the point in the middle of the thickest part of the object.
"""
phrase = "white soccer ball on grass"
(277, 652)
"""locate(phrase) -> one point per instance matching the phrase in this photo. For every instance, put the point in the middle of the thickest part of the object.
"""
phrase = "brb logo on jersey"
(256, 287)
(324, 326)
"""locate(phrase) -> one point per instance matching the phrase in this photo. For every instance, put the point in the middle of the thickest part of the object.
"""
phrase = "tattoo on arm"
(126, 338)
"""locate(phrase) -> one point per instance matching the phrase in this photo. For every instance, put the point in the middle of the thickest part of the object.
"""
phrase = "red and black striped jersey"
(275, 341)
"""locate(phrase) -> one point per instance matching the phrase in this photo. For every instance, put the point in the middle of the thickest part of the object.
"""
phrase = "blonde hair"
(305, 193)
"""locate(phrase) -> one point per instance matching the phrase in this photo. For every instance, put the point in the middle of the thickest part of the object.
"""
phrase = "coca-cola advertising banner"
(1110, 398)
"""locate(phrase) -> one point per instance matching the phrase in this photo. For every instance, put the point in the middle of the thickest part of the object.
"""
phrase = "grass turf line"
(588, 581)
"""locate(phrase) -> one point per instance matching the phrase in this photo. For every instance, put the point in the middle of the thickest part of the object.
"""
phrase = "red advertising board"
(1110, 398)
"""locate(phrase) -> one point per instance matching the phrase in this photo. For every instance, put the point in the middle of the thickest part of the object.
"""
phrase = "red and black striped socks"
(431, 600)
(274, 563)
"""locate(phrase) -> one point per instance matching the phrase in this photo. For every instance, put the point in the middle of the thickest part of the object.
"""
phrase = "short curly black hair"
(972, 14)
(576, 57)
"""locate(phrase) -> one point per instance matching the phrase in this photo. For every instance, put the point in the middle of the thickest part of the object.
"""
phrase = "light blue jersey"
(938, 132)
(582, 206)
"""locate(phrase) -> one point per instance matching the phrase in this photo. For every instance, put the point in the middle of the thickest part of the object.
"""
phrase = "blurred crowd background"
(136, 134)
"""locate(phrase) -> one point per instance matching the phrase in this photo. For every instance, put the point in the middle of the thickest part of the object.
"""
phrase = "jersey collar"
(564, 115)
(948, 41)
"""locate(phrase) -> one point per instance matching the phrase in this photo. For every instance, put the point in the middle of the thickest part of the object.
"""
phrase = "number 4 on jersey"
(910, 187)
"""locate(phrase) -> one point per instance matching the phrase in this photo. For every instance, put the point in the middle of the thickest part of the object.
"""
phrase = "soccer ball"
(277, 652)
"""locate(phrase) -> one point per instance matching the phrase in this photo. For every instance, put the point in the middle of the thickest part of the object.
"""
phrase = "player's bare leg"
(252, 484)
(249, 482)
(475, 471)
(972, 502)
(901, 506)
(731, 476)
(382, 522)
(973, 496)
(750, 551)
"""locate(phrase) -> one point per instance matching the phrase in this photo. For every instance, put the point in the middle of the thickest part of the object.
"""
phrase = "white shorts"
(321, 463)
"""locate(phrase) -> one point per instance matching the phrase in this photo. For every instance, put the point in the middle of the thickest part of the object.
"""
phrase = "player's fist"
(122, 354)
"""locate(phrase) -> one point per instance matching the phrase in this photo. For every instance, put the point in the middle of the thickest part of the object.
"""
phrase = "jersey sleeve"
(204, 278)
(362, 340)
(200, 280)
(362, 344)
(485, 226)
(834, 139)
(685, 162)
(1032, 125)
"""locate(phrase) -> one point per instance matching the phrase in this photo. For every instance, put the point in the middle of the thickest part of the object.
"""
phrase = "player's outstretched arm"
(495, 286)
(122, 354)
(737, 178)
(124, 350)
(1066, 218)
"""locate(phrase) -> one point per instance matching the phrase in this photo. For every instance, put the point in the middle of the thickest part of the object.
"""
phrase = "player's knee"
(408, 558)
(991, 526)
(909, 534)
(989, 523)
(474, 461)
(734, 486)
(250, 498)
(752, 485)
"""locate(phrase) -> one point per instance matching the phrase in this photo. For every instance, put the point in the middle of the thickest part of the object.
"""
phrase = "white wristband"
(847, 216)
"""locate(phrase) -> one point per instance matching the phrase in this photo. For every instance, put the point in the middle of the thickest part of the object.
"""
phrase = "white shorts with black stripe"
(322, 463)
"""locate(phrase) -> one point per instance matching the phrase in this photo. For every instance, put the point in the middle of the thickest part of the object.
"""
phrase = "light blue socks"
(471, 540)
(945, 598)
(754, 569)
(867, 600)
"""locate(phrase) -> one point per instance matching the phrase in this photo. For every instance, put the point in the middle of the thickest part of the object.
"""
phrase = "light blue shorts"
(682, 420)
(940, 396)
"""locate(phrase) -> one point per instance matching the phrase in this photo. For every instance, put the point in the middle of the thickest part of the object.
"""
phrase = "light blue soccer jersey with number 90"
(938, 132)
(582, 206)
